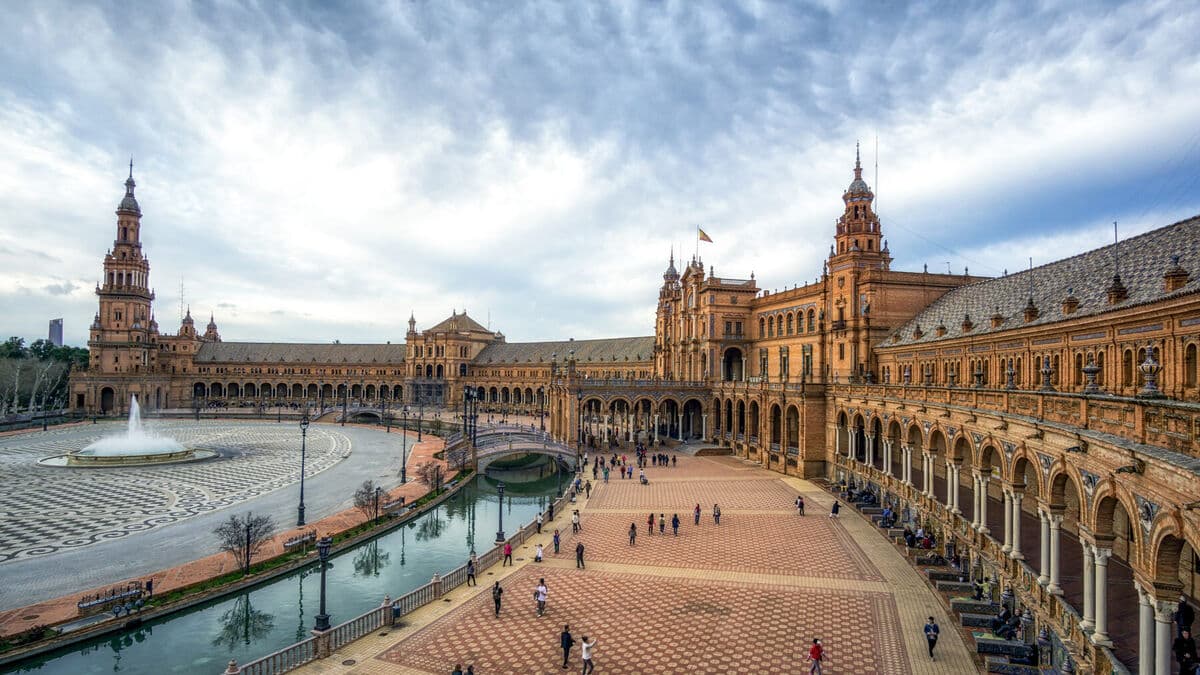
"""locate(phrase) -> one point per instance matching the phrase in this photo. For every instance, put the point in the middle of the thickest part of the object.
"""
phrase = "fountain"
(135, 447)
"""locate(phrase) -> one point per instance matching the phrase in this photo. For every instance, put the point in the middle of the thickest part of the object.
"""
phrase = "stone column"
(1044, 548)
(1145, 631)
(654, 434)
(887, 457)
(837, 441)
(1100, 636)
(1055, 542)
(743, 369)
(870, 449)
(680, 416)
(704, 425)
(951, 487)
(983, 501)
(1089, 588)
(1164, 625)
(1006, 496)
(851, 442)
(1016, 525)
(906, 452)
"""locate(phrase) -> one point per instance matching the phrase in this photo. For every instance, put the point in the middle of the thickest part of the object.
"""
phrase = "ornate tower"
(210, 331)
(666, 331)
(858, 232)
(120, 335)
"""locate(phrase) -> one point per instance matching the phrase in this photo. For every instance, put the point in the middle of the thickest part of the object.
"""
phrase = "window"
(811, 321)
(841, 351)
(789, 324)
(738, 328)
(1189, 366)
(771, 326)
(762, 328)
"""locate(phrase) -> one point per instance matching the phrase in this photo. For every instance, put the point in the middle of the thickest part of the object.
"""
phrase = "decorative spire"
(857, 163)
(129, 203)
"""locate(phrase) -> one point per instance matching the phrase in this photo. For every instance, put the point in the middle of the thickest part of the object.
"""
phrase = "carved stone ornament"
(1090, 481)
(927, 426)
(904, 420)
(1046, 461)
(951, 432)
(978, 438)
(1009, 448)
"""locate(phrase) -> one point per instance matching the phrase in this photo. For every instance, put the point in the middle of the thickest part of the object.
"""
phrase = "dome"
(129, 203)
(858, 187)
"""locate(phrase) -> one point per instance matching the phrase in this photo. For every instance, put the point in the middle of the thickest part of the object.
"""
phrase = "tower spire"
(131, 167)
(857, 162)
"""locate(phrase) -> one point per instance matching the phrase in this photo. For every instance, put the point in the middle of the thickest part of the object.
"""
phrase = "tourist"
(675, 524)
(800, 499)
(507, 554)
(575, 525)
(642, 477)
(674, 460)
(579, 555)
(557, 539)
(716, 514)
(1185, 651)
(816, 654)
(539, 596)
(931, 635)
(471, 669)
(539, 523)
(588, 666)
(496, 593)
(471, 572)
(650, 524)
(1184, 616)
(696, 513)
(457, 669)
(537, 553)
(837, 506)
(587, 488)
(662, 523)
(632, 533)
(566, 642)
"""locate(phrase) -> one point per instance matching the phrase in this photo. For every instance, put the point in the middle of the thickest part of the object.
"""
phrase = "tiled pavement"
(745, 596)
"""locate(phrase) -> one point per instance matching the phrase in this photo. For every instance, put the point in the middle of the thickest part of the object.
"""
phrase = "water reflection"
(369, 560)
(243, 624)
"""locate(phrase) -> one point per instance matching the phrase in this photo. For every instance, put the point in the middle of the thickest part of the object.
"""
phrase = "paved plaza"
(747, 595)
(93, 526)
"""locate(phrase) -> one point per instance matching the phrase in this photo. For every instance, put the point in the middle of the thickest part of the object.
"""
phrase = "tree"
(243, 625)
(365, 500)
(42, 349)
(13, 348)
(431, 474)
(243, 537)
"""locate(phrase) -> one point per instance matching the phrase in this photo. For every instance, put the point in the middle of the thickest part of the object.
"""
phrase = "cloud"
(310, 173)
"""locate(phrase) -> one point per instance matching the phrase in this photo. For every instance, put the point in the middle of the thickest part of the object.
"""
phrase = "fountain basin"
(81, 460)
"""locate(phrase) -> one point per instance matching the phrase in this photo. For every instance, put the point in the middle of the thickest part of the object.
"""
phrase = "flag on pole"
(702, 236)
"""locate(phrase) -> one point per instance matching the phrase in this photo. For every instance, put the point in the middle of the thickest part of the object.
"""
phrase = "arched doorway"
(107, 399)
(731, 365)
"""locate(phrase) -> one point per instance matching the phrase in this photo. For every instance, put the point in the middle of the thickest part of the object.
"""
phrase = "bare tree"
(243, 537)
(365, 499)
(431, 474)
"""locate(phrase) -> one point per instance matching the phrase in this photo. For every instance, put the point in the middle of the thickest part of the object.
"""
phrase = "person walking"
(716, 514)
(606, 474)
(632, 533)
(471, 572)
(1184, 616)
(837, 506)
(662, 523)
(496, 593)
(587, 488)
(816, 654)
(507, 555)
(588, 666)
(539, 523)
(557, 540)
(566, 642)
(674, 461)
(575, 526)
(931, 635)
(696, 513)
(650, 523)
(579, 555)
(539, 596)
(457, 669)
(537, 553)
(675, 524)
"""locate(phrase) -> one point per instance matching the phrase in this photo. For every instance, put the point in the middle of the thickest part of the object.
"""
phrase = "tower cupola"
(858, 231)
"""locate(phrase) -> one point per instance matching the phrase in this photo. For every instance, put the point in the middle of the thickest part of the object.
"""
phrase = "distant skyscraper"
(56, 332)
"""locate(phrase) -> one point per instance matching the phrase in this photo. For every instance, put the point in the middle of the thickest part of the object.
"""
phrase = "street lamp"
(377, 491)
(345, 401)
(323, 551)
(500, 512)
(404, 449)
(303, 443)
(420, 415)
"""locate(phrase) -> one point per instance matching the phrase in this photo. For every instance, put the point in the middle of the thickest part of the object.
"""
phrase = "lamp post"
(420, 416)
(579, 444)
(404, 448)
(542, 409)
(386, 420)
(303, 443)
(377, 491)
(323, 551)
(500, 512)
(345, 401)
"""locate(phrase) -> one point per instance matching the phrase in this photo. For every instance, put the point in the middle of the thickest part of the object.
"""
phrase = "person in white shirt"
(588, 666)
(539, 594)
(537, 553)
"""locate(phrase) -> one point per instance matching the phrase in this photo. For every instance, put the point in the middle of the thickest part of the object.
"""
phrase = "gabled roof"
(458, 323)
(283, 352)
(1144, 260)
(610, 350)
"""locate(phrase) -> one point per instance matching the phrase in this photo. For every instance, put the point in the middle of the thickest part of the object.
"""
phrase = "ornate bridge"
(494, 442)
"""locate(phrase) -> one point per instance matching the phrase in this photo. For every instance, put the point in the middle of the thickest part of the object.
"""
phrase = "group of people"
(919, 539)
(662, 521)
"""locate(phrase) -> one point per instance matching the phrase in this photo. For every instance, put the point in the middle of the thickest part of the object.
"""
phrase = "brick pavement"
(677, 605)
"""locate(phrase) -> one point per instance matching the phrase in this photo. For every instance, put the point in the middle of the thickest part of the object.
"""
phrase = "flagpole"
(697, 241)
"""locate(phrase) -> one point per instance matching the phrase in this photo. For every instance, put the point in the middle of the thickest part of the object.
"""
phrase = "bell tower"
(120, 335)
(858, 232)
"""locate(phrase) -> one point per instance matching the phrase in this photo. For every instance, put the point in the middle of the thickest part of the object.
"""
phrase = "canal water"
(252, 624)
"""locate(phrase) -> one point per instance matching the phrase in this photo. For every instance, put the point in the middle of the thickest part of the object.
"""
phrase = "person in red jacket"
(816, 654)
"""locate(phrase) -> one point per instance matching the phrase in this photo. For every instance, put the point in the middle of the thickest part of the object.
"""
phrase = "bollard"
(387, 601)
(437, 585)
(233, 668)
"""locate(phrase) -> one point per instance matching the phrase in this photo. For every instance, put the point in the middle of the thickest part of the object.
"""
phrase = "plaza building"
(1044, 424)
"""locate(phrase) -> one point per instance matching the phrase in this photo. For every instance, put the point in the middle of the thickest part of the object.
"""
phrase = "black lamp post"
(377, 491)
(420, 416)
(404, 448)
(386, 420)
(345, 401)
(303, 443)
(323, 546)
(542, 408)
(500, 512)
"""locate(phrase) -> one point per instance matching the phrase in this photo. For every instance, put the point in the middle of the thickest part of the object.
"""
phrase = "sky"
(319, 171)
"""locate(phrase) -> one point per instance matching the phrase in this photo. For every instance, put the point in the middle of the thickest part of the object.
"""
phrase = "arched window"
(789, 323)
(762, 327)
(811, 320)
(1127, 368)
(1078, 369)
(771, 326)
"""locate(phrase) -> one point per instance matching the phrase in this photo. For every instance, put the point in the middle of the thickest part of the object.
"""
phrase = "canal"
(254, 623)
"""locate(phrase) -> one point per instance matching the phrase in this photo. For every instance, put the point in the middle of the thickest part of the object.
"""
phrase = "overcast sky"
(312, 172)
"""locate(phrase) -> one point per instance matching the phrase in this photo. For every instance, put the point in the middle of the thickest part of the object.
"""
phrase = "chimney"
(1175, 277)
(1031, 310)
(1116, 290)
(1070, 303)
(967, 325)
